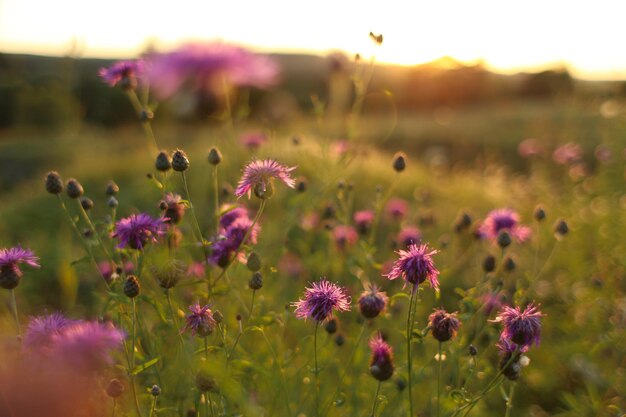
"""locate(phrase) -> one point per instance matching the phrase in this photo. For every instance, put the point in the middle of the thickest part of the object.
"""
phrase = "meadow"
(202, 308)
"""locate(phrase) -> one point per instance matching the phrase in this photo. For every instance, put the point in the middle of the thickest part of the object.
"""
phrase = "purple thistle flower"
(522, 328)
(253, 140)
(443, 325)
(42, 329)
(207, 65)
(320, 300)
(503, 219)
(344, 236)
(86, 345)
(409, 235)
(200, 321)
(258, 176)
(125, 72)
(567, 154)
(363, 220)
(372, 302)
(10, 259)
(231, 215)
(506, 347)
(397, 208)
(137, 230)
(416, 265)
(381, 362)
(174, 208)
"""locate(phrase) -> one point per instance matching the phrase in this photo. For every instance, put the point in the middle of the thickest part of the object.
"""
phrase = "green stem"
(376, 399)
(114, 403)
(16, 317)
(132, 356)
(80, 236)
(216, 198)
(232, 350)
(509, 401)
(147, 127)
(316, 372)
(282, 373)
(210, 401)
(93, 229)
(251, 306)
(153, 407)
(206, 348)
(439, 358)
(409, 331)
(199, 231)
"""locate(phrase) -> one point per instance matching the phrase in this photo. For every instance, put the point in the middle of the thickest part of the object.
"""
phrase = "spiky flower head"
(503, 220)
(123, 73)
(320, 299)
(372, 302)
(381, 362)
(200, 322)
(42, 329)
(443, 325)
(174, 208)
(137, 230)
(86, 345)
(522, 328)
(415, 266)
(180, 162)
(258, 176)
(10, 259)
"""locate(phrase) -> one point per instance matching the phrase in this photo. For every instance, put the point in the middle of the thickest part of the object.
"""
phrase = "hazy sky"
(509, 36)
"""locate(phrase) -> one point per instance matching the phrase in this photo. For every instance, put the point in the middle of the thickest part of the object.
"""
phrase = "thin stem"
(216, 198)
(409, 331)
(153, 407)
(251, 306)
(199, 231)
(93, 229)
(15, 316)
(171, 307)
(316, 372)
(509, 401)
(206, 348)
(376, 399)
(147, 127)
(210, 401)
(232, 350)
(80, 236)
(439, 358)
(132, 356)
(282, 372)
(114, 403)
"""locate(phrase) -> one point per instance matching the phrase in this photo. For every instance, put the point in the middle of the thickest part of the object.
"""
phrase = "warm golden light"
(508, 37)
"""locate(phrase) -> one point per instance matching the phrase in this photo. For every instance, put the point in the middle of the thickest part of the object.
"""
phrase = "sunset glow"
(507, 38)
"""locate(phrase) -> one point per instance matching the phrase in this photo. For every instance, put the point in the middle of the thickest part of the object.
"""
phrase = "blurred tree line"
(52, 92)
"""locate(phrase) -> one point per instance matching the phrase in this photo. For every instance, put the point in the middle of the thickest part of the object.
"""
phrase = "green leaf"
(140, 368)
(80, 261)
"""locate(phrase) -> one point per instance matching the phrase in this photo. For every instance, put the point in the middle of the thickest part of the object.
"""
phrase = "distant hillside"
(47, 91)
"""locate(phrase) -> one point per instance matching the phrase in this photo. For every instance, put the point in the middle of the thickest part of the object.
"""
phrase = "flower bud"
(115, 388)
(399, 163)
(489, 263)
(180, 162)
(73, 188)
(10, 277)
(146, 115)
(205, 381)
(215, 156)
(508, 264)
(340, 340)
(54, 183)
(254, 262)
(472, 350)
(331, 326)
(264, 190)
(218, 316)
(443, 325)
(112, 188)
(155, 391)
(163, 162)
(86, 203)
(131, 287)
(301, 185)
(256, 282)
(169, 273)
(112, 202)
(504, 239)
(539, 213)
(561, 228)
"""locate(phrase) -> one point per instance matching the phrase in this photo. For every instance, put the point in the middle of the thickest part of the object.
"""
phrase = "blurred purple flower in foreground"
(123, 73)
(234, 225)
(258, 176)
(206, 66)
(41, 330)
(503, 219)
(416, 265)
(253, 140)
(320, 300)
(137, 230)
